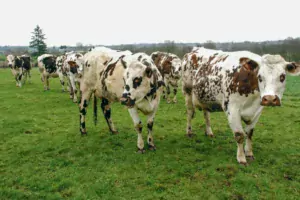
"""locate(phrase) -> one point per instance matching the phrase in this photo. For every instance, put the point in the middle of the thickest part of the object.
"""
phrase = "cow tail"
(95, 109)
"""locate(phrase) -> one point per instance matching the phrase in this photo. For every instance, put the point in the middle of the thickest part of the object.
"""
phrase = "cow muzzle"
(10, 65)
(270, 100)
(127, 101)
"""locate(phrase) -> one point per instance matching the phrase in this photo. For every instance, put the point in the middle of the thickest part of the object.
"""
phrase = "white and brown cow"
(47, 64)
(115, 76)
(20, 68)
(169, 65)
(242, 83)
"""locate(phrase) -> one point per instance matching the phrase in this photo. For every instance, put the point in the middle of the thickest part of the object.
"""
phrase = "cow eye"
(282, 78)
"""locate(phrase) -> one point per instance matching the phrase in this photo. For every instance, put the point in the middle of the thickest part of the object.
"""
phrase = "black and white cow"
(169, 65)
(20, 68)
(47, 64)
(74, 66)
(242, 83)
(115, 76)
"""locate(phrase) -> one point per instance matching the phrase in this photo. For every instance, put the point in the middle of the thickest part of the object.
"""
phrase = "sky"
(107, 22)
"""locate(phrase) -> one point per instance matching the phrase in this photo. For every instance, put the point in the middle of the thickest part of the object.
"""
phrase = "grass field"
(43, 155)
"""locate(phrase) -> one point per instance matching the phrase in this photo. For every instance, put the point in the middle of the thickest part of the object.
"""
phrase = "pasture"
(43, 155)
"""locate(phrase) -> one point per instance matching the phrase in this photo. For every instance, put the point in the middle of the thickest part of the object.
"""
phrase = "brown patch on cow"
(248, 64)
(239, 137)
(157, 58)
(194, 61)
(245, 80)
(166, 67)
(211, 58)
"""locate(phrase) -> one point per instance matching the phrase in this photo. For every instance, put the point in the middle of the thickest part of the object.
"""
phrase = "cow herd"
(239, 83)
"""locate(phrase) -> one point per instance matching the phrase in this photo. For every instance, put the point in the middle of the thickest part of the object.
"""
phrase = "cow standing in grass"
(169, 65)
(115, 76)
(74, 66)
(48, 67)
(241, 82)
(20, 68)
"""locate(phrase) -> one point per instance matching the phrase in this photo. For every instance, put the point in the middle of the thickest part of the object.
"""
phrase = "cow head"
(11, 61)
(137, 79)
(76, 63)
(14, 61)
(272, 78)
(176, 68)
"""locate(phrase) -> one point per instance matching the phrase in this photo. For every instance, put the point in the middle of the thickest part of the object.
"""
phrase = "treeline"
(288, 48)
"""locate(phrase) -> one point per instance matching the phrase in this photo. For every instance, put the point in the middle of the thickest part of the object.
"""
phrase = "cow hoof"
(190, 135)
(151, 147)
(251, 158)
(141, 151)
(83, 133)
(174, 101)
(114, 132)
(211, 135)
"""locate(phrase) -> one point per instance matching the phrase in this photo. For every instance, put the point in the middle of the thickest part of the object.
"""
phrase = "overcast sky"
(66, 22)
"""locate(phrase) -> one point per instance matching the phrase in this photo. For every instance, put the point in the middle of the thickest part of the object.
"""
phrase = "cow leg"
(20, 79)
(190, 114)
(46, 82)
(175, 93)
(29, 75)
(249, 129)
(83, 104)
(70, 88)
(235, 124)
(62, 82)
(208, 130)
(138, 127)
(73, 86)
(17, 80)
(168, 94)
(105, 106)
(150, 140)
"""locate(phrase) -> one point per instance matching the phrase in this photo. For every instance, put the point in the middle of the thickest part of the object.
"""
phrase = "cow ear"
(248, 64)
(72, 63)
(148, 72)
(293, 68)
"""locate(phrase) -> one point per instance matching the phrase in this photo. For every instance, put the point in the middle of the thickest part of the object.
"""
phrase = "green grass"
(43, 155)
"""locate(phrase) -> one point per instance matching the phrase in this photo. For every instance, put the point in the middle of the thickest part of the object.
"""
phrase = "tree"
(209, 44)
(38, 41)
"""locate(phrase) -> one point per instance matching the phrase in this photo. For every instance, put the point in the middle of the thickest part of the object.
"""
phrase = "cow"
(242, 83)
(169, 65)
(20, 68)
(74, 66)
(119, 76)
(48, 67)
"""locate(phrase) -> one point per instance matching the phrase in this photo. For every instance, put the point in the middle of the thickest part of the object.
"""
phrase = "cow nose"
(9, 65)
(270, 100)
